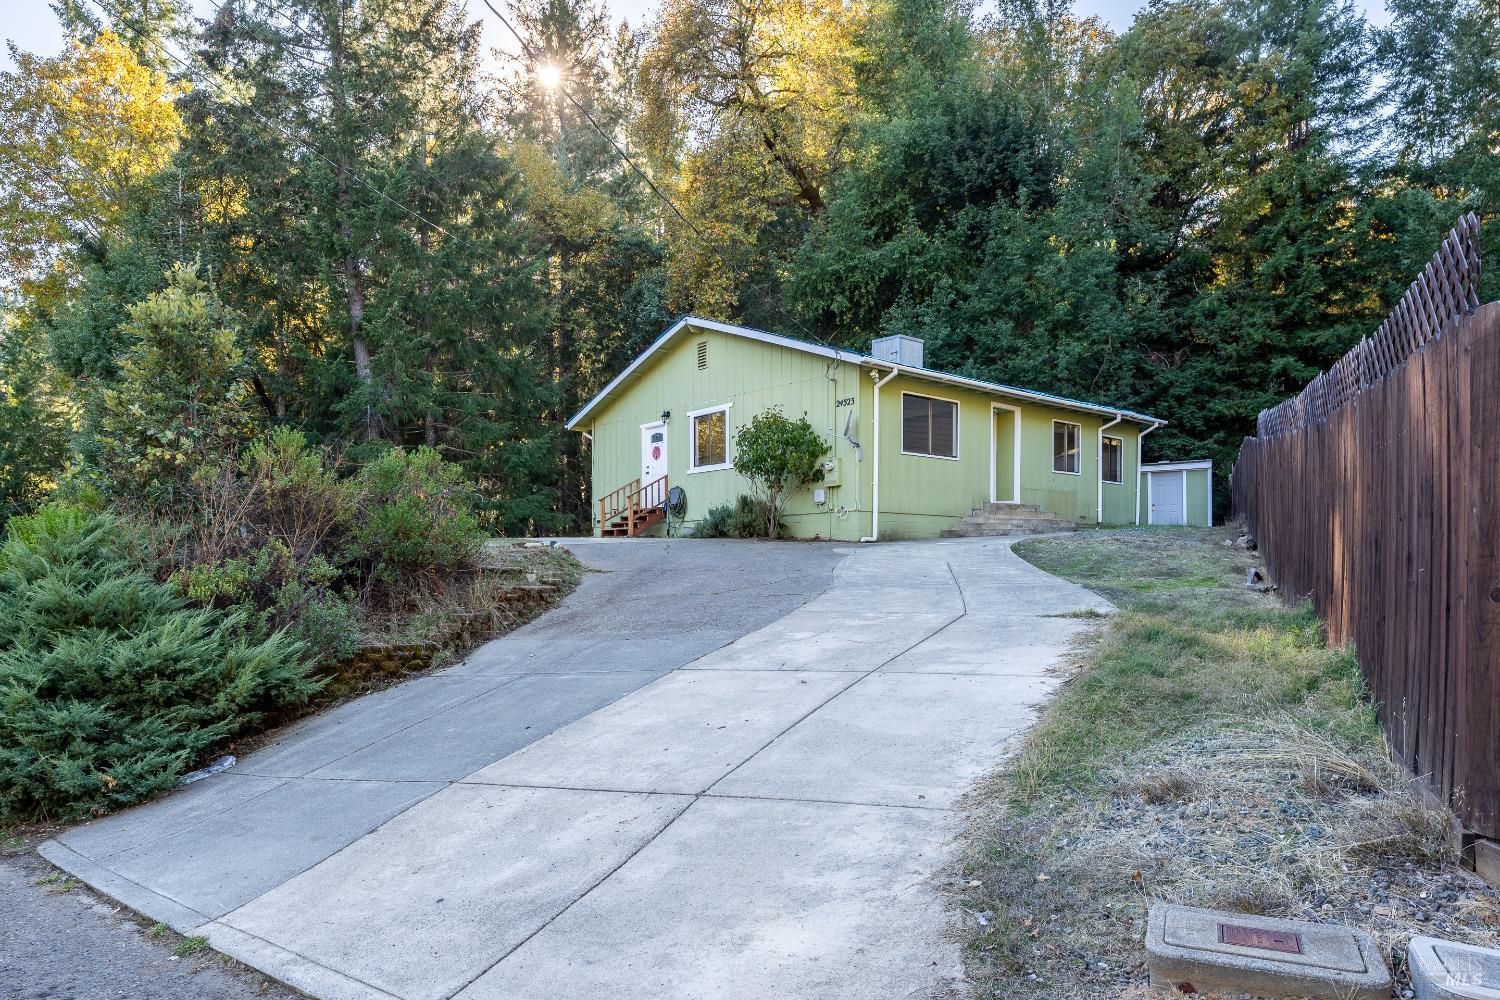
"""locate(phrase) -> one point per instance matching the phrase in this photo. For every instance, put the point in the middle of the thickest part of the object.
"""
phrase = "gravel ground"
(60, 940)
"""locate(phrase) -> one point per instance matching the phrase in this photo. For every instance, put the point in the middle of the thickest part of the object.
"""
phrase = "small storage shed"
(1177, 493)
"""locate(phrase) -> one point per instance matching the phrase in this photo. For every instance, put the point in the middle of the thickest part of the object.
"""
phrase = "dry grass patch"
(1210, 751)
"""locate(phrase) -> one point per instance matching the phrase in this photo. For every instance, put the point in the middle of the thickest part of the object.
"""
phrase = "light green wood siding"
(920, 495)
(749, 375)
(1197, 497)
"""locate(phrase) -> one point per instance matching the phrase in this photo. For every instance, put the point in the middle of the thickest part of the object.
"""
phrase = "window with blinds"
(1113, 458)
(929, 426)
(1065, 446)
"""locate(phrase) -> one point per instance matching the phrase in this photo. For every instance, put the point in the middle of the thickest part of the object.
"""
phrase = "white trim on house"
(1079, 448)
(707, 409)
(851, 357)
(1151, 507)
(1206, 463)
(692, 416)
(927, 454)
(1015, 451)
(1140, 438)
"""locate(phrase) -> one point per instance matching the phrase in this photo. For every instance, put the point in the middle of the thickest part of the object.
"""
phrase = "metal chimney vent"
(899, 348)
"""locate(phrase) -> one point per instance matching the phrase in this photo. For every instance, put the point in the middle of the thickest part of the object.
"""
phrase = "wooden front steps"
(1008, 519)
(633, 509)
(626, 527)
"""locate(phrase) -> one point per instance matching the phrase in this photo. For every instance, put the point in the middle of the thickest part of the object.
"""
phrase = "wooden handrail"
(633, 500)
(613, 504)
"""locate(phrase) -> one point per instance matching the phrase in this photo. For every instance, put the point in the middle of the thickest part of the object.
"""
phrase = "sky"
(33, 27)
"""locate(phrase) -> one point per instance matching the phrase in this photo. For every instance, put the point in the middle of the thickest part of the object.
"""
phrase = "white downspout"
(1138, 437)
(874, 535)
(1099, 460)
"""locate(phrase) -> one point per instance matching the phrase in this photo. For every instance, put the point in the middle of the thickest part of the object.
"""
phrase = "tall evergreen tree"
(567, 106)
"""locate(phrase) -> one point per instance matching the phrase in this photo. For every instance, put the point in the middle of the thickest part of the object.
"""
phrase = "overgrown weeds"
(1210, 750)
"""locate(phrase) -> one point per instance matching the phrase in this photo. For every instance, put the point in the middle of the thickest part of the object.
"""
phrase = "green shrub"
(111, 686)
(778, 457)
(53, 519)
(181, 398)
(746, 519)
(295, 494)
(714, 523)
(268, 538)
(416, 516)
(272, 590)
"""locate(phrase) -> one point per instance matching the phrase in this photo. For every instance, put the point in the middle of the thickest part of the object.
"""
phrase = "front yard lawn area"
(1210, 750)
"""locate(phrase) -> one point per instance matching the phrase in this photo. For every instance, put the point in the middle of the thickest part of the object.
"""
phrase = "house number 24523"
(846, 401)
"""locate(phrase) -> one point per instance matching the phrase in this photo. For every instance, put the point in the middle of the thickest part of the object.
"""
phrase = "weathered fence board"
(1376, 493)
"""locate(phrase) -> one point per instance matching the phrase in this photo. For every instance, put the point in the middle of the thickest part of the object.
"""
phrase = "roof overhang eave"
(1008, 390)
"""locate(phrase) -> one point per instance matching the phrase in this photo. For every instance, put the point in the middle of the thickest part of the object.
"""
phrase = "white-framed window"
(710, 438)
(1113, 459)
(1065, 438)
(929, 426)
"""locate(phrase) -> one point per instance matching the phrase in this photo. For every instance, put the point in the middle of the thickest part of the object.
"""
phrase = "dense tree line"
(421, 242)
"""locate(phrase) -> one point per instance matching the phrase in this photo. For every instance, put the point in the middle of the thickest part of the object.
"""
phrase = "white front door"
(653, 452)
(1167, 506)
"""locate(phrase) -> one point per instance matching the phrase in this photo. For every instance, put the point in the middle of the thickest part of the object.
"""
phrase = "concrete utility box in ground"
(1193, 950)
(1447, 970)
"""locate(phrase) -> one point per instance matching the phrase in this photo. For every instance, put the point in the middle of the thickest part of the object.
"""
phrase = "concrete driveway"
(721, 770)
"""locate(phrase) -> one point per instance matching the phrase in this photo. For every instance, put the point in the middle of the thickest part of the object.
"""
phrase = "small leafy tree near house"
(779, 457)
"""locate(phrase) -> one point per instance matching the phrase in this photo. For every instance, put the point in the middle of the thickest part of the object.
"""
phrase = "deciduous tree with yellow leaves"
(80, 134)
(749, 106)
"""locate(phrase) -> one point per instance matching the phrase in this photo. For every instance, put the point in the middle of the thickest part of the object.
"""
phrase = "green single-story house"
(911, 451)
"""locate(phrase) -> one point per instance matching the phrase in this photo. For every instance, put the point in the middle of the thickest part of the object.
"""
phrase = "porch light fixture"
(666, 415)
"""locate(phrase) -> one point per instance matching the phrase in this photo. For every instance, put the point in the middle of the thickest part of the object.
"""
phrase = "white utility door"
(653, 452)
(1167, 506)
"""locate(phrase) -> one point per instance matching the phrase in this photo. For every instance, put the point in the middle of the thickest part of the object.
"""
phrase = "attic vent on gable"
(702, 355)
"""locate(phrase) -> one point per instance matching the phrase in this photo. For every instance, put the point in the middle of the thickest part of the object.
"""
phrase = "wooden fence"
(1376, 492)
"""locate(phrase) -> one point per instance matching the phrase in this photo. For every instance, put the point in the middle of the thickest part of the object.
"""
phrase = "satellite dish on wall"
(674, 506)
(676, 501)
(849, 436)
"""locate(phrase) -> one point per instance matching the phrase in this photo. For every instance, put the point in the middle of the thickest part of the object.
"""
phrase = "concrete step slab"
(854, 641)
(1448, 970)
(915, 740)
(231, 857)
(433, 898)
(753, 900)
(1013, 645)
(680, 734)
(1195, 950)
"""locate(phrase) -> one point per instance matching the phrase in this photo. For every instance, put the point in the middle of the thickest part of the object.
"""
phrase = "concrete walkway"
(764, 820)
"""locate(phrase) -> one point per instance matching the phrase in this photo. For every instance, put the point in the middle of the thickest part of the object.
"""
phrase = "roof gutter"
(874, 535)
(1007, 390)
(1138, 470)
